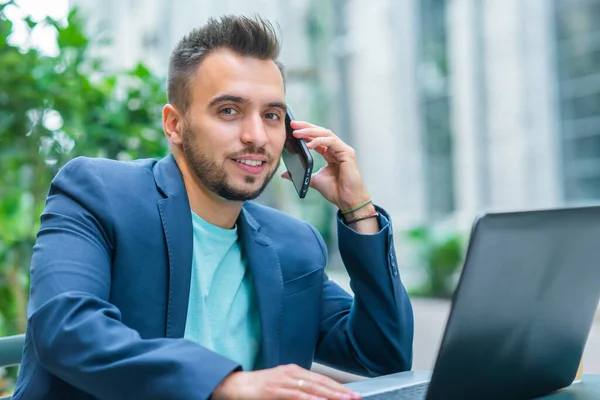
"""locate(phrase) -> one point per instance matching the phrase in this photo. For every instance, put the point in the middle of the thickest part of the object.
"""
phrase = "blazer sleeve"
(76, 333)
(370, 334)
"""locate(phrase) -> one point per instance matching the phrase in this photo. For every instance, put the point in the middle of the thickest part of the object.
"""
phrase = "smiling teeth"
(250, 162)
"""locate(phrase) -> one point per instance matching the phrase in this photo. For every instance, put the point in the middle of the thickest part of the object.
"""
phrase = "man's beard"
(214, 176)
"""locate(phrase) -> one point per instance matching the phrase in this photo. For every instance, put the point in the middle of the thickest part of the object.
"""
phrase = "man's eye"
(228, 111)
(272, 116)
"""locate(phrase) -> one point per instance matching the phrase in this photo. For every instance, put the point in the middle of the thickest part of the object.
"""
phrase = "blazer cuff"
(383, 219)
(368, 253)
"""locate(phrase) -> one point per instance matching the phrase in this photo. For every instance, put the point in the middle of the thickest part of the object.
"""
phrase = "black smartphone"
(297, 158)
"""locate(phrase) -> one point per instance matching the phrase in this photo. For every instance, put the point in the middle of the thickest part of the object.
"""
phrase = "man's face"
(234, 130)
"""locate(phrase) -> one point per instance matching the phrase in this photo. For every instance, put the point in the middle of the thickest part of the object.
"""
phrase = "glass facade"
(435, 103)
(578, 61)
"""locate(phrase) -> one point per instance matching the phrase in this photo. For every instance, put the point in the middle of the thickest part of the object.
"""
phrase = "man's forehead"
(224, 72)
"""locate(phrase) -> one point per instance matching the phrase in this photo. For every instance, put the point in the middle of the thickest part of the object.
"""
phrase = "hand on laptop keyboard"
(281, 383)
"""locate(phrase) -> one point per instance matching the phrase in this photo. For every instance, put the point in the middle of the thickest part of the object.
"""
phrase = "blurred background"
(454, 107)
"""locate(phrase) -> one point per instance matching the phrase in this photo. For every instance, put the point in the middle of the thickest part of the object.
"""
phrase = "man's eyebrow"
(278, 104)
(227, 98)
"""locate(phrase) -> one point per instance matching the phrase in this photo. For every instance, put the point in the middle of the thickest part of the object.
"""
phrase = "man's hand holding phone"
(340, 181)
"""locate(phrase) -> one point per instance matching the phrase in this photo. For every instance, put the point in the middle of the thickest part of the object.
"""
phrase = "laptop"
(521, 314)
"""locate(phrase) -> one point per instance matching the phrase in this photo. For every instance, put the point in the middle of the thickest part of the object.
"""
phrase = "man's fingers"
(325, 386)
(316, 384)
(313, 132)
(320, 139)
(322, 390)
(295, 394)
(320, 142)
(320, 149)
(303, 124)
(331, 143)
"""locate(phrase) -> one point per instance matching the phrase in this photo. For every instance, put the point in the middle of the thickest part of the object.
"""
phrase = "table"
(587, 389)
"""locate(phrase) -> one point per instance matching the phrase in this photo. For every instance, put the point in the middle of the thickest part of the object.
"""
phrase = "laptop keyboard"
(416, 392)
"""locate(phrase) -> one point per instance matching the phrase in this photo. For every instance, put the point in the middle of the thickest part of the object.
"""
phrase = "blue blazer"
(110, 278)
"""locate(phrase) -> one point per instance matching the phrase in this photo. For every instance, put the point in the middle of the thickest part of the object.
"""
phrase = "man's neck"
(210, 207)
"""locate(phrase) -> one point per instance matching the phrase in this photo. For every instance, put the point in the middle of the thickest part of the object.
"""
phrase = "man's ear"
(172, 124)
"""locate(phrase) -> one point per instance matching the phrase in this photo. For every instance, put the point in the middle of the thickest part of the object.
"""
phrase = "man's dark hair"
(248, 37)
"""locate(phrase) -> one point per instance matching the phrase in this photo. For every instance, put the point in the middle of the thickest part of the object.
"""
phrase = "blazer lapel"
(268, 283)
(259, 251)
(176, 219)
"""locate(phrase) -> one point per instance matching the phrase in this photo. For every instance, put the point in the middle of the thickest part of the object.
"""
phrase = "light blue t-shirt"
(222, 311)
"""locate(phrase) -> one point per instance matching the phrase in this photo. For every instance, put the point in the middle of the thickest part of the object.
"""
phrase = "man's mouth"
(253, 163)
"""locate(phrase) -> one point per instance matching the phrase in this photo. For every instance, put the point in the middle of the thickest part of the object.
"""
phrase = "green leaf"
(72, 35)
(141, 72)
(30, 23)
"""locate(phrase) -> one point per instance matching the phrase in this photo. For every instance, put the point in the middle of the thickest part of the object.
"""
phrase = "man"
(162, 280)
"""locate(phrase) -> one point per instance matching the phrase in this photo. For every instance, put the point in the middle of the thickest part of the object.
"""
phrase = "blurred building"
(454, 106)
(475, 105)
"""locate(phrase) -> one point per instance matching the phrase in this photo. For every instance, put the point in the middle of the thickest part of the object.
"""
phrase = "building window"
(435, 108)
(578, 61)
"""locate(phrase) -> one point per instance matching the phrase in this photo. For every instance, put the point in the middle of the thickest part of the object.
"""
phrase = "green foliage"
(440, 255)
(52, 109)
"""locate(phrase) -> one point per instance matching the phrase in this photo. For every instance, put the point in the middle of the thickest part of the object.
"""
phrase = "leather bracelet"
(357, 207)
(363, 217)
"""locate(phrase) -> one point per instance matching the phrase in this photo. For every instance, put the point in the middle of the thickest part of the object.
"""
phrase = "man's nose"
(253, 130)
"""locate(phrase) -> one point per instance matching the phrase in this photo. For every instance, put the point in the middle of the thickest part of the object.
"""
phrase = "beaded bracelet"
(357, 207)
(363, 217)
